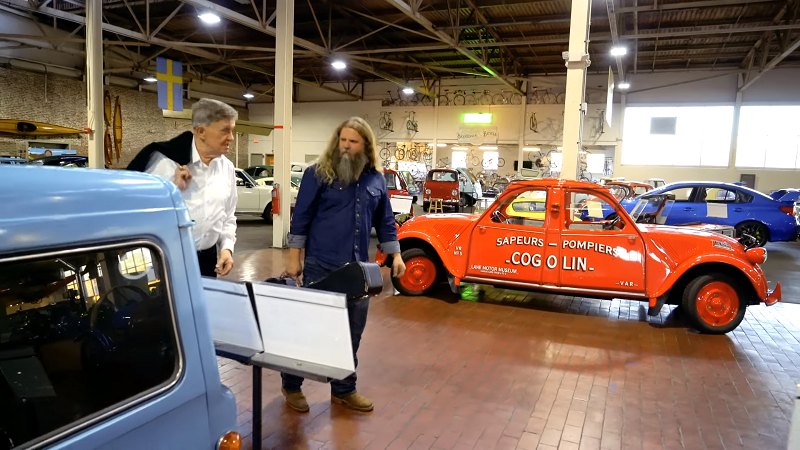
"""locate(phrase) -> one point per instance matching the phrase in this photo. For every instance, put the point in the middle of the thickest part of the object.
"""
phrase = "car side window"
(81, 333)
(391, 182)
(719, 195)
(683, 194)
(588, 211)
(528, 208)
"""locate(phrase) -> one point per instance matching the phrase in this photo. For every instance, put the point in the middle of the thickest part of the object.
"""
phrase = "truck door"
(508, 240)
(598, 255)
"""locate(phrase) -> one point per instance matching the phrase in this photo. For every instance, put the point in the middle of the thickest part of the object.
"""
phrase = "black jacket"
(178, 149)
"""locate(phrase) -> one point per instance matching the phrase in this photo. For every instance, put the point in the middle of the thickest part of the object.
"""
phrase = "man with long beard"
(341, 197)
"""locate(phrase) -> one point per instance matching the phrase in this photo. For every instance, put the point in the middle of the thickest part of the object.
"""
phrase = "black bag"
(355, 279)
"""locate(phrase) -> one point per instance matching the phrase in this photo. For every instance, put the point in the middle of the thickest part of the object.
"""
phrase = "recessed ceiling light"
(441, 145)
(618, 51)
(209, 18)
(150, 79)
(408, 91)
(248, 95)
(624, 85)
(339, 65)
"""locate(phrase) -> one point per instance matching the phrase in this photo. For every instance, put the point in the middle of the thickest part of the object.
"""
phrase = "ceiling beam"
(303, 43)
(612, 26)
(444, 37)
(771, 65)
(153, 40)
(658, 6)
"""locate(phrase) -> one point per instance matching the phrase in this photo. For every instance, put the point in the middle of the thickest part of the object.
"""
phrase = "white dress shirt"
(210, 197)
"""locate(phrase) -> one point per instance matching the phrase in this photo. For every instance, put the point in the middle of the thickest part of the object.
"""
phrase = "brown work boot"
(296, 400)
(354, 400)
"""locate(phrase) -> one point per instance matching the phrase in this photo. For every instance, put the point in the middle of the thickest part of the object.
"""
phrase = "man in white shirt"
(195, 161)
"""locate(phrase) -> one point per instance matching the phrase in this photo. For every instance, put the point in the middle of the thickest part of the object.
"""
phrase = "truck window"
(81, 333)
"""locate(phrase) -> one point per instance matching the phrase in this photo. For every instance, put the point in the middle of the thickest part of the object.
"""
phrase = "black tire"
(714, 303)
(426, 206)
(422, 273)
(757, 230)
(267, 214)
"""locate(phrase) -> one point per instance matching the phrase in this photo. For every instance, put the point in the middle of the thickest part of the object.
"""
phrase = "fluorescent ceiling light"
(623, 85)
(459, 148)
(618, 51)
(339, 65)
(150, 79)
(530, 149)
(408, 91)
(209, 18)
(487, 147)
(248, 95)
(441, 145)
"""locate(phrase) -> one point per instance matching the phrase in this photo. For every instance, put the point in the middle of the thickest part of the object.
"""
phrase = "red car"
(712, 276)
(396, 185)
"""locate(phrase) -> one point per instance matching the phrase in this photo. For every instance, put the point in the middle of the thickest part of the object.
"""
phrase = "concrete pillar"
(94, 82)
(577, 60)
(284, 73)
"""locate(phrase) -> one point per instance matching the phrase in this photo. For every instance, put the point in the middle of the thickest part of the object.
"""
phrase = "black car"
(63, 161)
(260, 171)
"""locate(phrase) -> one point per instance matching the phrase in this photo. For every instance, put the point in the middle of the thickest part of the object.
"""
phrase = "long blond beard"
(348, 169)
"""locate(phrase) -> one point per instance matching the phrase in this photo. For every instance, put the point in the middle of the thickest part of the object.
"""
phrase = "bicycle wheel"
(413, 155)
(400, 153)
(498, 99)
(427, 101)
(459, 100)
(469, 99)
(516, 99)
(560, 97)
(501, 162)
(385, 154)
(486, 99)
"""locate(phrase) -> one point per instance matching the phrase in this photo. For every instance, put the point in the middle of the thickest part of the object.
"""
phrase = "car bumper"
(773, 296)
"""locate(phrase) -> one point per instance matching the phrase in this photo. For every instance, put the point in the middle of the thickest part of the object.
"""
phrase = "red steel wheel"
(422, 272)
(714, 302)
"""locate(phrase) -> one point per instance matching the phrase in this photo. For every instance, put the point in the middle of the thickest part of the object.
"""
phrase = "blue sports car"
(748, 210)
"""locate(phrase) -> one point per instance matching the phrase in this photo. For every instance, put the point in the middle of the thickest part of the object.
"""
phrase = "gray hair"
(207, 111)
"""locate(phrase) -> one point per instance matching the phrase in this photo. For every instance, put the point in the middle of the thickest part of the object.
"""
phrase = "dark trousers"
(208, 261)
(357, 311)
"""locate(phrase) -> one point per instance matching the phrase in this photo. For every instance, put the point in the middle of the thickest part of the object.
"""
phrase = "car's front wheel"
(422, 272)
(758, 231)
(714, 303)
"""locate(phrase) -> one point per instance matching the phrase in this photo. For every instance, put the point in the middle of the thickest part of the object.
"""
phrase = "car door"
(604, 257)
(686, 207)
(248, 200)
(508, 241)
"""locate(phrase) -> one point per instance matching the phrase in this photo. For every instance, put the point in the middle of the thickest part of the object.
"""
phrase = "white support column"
(523, 128)
(737, 111)
(94, 82)
(284, 72)
(577, 60)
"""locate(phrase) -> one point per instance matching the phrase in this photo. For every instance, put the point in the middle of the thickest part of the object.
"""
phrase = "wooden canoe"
(30, 128)
(117, 125)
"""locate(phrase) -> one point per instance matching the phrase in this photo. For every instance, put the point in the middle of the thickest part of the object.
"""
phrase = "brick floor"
(522, 371)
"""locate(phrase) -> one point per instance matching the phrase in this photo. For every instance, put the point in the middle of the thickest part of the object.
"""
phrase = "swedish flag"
(170, 84)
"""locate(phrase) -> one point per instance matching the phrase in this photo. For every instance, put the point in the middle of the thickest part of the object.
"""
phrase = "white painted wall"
(315, 120)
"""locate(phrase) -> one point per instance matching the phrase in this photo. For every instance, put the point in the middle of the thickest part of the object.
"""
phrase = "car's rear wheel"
(714, 303)
(267, 214)
(757, 230)
(422, 272)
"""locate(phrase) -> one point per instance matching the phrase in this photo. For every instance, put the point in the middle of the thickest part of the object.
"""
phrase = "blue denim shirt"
(333, 222)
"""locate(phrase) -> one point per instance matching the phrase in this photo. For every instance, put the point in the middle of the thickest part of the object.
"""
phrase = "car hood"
(680, 240)
(441, 227)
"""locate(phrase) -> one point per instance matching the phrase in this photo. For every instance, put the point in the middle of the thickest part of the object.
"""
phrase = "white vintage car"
(254, 198)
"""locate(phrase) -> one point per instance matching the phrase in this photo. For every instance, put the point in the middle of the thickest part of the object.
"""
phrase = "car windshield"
(652, 209)
(246, 176)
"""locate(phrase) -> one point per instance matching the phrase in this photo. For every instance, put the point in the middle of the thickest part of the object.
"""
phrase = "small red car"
(396, 185)
(712, 276)
(442, 184)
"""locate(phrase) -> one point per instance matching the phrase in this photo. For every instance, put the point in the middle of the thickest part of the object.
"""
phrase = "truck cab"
(104, 335)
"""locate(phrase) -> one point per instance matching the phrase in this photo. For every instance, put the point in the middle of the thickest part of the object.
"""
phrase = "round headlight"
(454, 193)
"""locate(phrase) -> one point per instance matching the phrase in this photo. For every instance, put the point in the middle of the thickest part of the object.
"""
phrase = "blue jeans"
(314, 270)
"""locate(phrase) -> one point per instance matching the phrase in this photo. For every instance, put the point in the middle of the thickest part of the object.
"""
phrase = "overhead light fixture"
(339, 65)
(530, 149)
(408, 90)
(618, 51)
(248, 95)
(209, 18)
(441, 145)
(477, 118)
(150, 79)
(624, 85)
(456, 147)
(487, 147)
